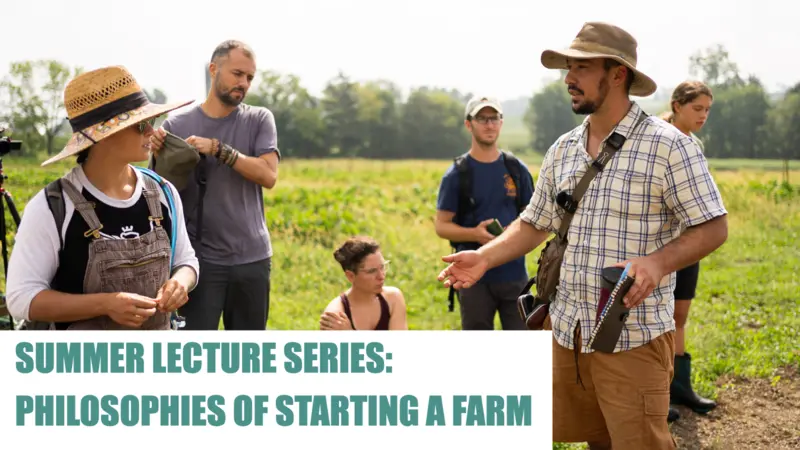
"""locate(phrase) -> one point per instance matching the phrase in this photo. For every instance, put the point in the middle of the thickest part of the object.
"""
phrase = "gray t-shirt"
(234, 227)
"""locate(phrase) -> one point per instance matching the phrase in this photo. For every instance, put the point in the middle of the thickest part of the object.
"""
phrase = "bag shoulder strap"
(465, 204)
(55, 201)
(201, 176)
(465, 199)
(612, 145)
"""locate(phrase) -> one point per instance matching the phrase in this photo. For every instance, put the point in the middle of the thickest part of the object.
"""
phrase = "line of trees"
(373, 119)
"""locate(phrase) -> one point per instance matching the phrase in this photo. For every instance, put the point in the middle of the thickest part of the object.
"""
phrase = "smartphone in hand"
(495, 228)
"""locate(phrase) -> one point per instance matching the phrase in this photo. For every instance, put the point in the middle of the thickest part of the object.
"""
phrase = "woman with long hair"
(689, 109)
(104, 247)
(368, 304)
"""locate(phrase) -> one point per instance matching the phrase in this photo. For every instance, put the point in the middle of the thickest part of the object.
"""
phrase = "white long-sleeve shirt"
(34, 260)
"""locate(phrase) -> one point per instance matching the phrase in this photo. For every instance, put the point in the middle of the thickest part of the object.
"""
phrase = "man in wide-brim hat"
(646, 182)
(657, 179)
(94, 248)
(606, 44)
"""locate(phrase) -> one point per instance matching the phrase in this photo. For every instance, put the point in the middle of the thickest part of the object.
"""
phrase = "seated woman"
(110, 264)
(368, 304)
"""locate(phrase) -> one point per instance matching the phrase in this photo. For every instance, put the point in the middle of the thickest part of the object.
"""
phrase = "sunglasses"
(142, 126)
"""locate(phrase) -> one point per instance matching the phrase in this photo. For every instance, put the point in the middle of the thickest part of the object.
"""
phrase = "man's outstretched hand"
(465, 269)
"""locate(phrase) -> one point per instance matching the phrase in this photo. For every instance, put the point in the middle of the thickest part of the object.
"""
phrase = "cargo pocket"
(137, 264)
(137, 275)
(656, 403)
(656, 430)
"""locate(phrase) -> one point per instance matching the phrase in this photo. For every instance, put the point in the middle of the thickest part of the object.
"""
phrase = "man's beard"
(226, 98)
(590, 107)
(585, 108)
(484, 142)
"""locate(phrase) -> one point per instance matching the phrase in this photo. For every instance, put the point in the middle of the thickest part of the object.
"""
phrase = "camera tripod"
(6, 322)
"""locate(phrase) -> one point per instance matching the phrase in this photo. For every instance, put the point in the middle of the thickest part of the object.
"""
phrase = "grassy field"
(744, 322)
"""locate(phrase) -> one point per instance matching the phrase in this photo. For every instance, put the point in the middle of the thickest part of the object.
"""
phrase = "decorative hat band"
(108, 111)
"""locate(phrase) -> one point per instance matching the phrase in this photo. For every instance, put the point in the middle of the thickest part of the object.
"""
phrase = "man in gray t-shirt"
(239, 145)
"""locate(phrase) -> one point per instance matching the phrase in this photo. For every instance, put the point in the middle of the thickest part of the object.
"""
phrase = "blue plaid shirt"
(657, 184)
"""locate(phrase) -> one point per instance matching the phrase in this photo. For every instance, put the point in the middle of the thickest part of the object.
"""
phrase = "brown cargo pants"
(626, 397)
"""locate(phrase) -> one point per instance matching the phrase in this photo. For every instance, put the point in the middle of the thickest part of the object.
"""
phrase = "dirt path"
(752, 415)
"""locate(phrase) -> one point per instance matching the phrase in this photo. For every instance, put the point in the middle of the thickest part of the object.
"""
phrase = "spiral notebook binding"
(608, 304)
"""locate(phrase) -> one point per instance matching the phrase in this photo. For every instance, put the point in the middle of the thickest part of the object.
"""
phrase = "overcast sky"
(490, 46)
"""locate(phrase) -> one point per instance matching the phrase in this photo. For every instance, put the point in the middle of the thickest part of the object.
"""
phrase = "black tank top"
(383, 322)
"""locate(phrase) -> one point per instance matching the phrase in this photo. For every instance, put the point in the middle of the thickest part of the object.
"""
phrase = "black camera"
(565, 200)
(7, 145)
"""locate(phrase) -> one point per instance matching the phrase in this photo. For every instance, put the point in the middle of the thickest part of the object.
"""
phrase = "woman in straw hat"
(110, 265)
(689, 108)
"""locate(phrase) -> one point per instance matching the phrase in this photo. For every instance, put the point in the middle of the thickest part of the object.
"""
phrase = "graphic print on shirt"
(511, 187)
(127, 232)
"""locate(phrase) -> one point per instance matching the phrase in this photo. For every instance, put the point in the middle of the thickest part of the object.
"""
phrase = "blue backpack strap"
(170, 203)
(176, 320)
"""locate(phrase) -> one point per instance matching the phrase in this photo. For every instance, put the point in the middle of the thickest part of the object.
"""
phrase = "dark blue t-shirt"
(495, 198)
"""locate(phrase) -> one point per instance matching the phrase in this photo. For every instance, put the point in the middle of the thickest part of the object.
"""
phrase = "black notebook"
(614, 313)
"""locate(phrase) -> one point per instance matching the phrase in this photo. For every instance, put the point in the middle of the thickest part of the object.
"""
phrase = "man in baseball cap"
(482, 192)
(478, 103)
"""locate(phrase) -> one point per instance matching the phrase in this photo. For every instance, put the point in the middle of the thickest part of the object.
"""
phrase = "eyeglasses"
(145, 123)
(374, 271)
(483, 120)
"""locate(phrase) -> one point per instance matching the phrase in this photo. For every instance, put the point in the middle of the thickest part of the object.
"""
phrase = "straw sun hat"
(103, 102)
(603, 40)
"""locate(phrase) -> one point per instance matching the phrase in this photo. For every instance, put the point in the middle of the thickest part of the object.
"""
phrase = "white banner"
(336, 390)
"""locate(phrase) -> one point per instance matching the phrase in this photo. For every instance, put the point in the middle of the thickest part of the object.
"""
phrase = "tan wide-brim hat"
(603, 40)
(103, 102)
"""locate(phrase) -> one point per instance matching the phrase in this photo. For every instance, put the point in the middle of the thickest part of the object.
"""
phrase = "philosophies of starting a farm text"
(270, 405)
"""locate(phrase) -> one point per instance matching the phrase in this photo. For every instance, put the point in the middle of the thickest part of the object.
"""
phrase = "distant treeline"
(745, 120)
(375, 120)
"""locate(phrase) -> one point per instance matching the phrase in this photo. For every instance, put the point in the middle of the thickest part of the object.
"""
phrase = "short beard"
(585, 108)
(225, 97)
(590, 107)
(484, 142)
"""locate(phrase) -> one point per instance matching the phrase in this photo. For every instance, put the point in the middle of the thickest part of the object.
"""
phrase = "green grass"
(745, 320)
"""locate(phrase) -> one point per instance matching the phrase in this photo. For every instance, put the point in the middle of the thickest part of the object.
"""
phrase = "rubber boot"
(681, 392)
(673, 415)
